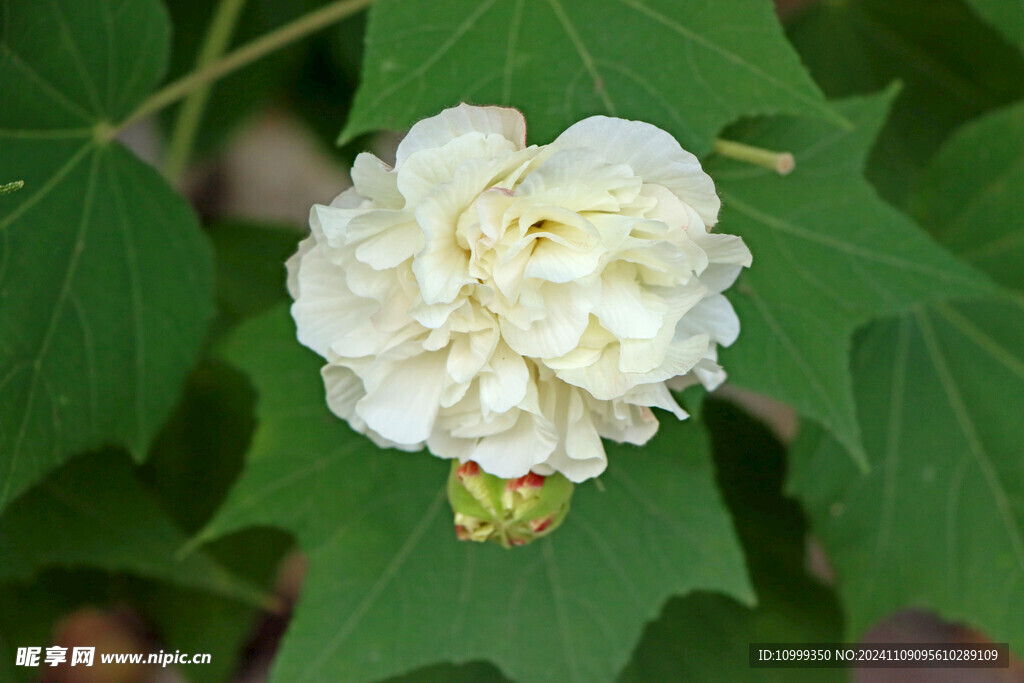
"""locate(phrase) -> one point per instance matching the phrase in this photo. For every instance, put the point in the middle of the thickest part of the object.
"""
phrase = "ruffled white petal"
(292, 265)
(391, 246)
(628, 309)
(326, 309)
(427, 168)
(714, 315)
(655, 395)
(468, 354)
(462, 120)
(605, 382)
(371, 177)
(402, 403)
(653, 154)
(567, 314)
(514, 451)
(505, 382)
(344, 389)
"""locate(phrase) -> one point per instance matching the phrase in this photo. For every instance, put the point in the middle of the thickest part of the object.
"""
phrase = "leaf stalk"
(245, 55)
(190, 115)
(782, 163)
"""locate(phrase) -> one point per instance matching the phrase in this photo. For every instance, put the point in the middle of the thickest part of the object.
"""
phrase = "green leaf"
(688, 66)
(73, 520)
(384, 560)
(105, 278)
(250, 266)
(828, 256)
(939, 521)
(952, 66)
(704, 637)
(1006, 16)
(971, 199)
(200, 452)
(193, 621)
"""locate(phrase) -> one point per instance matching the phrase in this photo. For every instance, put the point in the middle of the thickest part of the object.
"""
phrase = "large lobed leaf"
(952, 66)
(389, 587)
(105, 278)
(939, 521)
(828, 256)
(688, 66)
(74, 519)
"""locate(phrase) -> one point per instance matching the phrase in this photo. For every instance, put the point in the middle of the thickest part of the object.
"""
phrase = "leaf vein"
(54, 93)
(792, 348)
(560, 612)
(377, 589)
(694, 37)
(893, 437)
(44, 134)
(58, 309)
(135, 287)
(968, 429)
(513, 38)
(76, 58)
(581, 49)
(457, 35)
(43, 191)
(852, 250)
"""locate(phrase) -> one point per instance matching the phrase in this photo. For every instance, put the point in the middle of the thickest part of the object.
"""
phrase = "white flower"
(511, 305)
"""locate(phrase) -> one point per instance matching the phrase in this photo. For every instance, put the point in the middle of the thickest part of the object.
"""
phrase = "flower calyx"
(509, 512)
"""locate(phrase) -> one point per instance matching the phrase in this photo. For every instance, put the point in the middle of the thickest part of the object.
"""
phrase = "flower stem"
(287, 34)
(782, 163)
(7, 188)
(218, 36)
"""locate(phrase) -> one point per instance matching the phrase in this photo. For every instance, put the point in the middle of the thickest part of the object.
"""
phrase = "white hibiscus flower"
(512, 305)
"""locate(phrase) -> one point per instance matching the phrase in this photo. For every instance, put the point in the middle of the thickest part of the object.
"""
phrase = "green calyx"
(509, 512)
